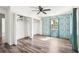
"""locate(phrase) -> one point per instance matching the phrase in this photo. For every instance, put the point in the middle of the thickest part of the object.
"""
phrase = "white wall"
(28, 26)
(40, 26)
(3, 10)
(3, 27)
(36, 26)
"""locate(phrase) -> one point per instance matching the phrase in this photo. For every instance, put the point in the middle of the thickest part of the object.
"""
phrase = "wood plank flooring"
(39, 44)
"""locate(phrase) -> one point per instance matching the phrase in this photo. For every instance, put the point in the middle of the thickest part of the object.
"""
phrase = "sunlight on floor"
(45, 39)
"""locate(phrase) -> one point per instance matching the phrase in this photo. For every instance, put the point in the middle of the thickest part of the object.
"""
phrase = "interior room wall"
(40, 32)
(36, 28)
(29, 26)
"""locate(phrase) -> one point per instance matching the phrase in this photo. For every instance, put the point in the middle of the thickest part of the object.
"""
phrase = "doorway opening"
(2, 28)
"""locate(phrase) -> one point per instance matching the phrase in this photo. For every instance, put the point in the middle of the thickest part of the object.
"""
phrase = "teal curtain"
(46, 25)
(64, 26)
(74, 30)
(71, 27)
(54, 33)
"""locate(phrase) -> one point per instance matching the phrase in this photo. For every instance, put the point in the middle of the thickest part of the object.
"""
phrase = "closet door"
(46, 26)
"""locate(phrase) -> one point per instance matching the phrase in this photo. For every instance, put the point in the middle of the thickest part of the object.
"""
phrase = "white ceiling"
(4, 7)
(55, 10)
(27, 10)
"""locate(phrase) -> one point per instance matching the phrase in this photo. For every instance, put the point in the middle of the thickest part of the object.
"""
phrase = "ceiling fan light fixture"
(41, 9)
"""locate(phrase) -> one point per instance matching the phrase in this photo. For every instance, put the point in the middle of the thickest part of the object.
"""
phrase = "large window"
(54, 24)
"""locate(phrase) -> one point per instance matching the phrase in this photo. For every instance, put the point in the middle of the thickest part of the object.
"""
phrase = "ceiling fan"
(41, 9)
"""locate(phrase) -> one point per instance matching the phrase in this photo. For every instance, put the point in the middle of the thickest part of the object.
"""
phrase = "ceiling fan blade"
(46, 9)
(40, 7)
(44, 12)
(38, 12)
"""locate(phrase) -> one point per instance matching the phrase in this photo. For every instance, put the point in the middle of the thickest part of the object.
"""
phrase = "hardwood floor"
(39, 44)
